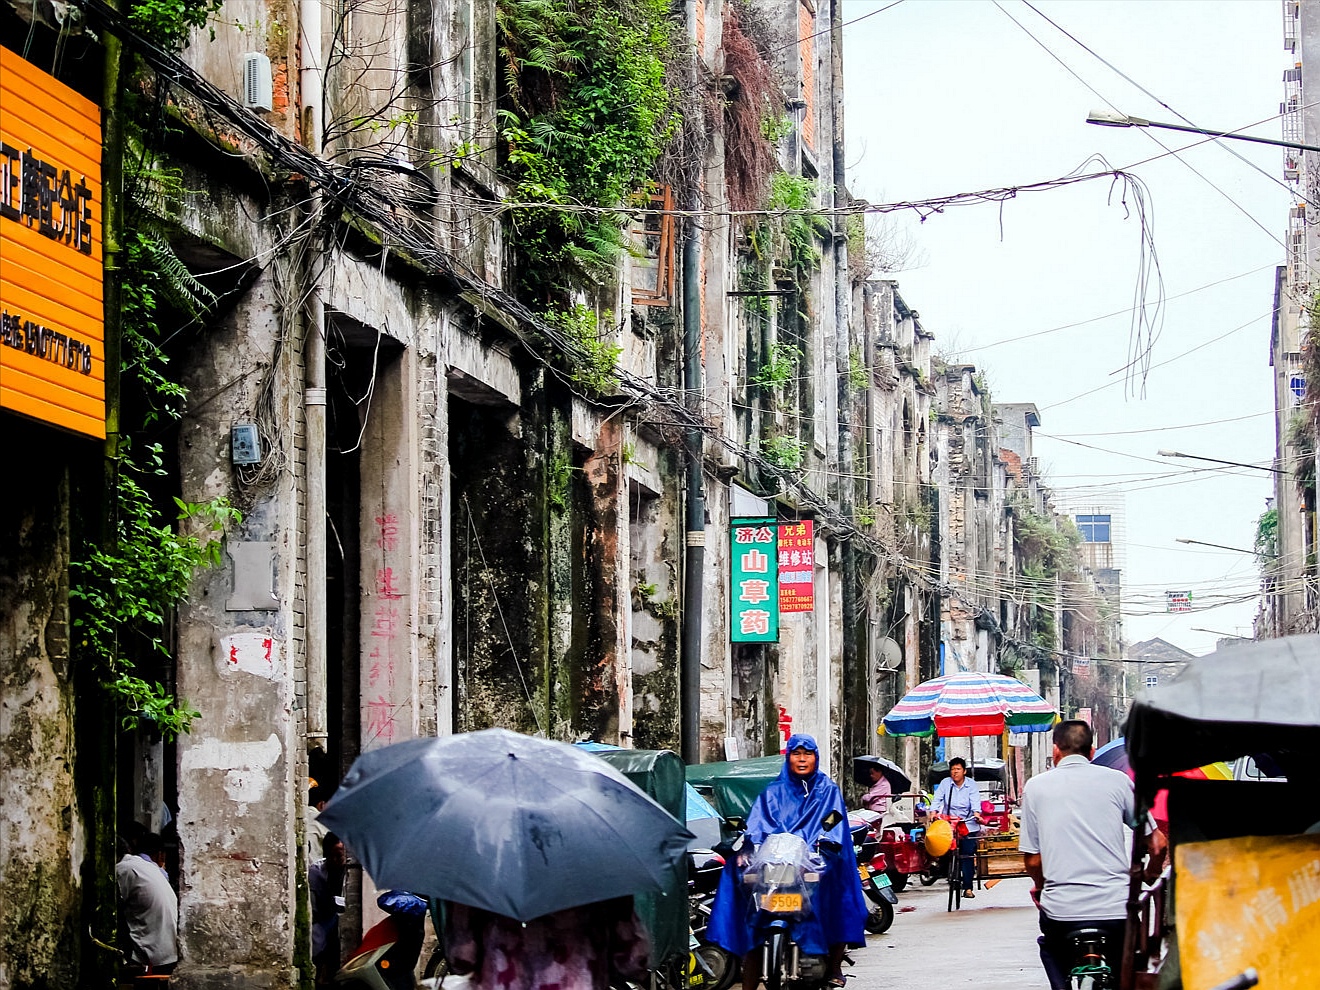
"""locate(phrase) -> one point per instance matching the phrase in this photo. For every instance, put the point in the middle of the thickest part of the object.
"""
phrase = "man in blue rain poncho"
(798, 801)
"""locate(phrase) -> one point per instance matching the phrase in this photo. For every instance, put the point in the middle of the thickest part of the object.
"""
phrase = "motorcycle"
(711, 966)
(783, 875)
(387, 957)
(872, 871)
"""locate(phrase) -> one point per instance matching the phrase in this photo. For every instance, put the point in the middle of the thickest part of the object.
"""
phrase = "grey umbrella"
(1253, 697)
(519, 826)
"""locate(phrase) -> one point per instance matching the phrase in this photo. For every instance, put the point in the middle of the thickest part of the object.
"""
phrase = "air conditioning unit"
(257, 87)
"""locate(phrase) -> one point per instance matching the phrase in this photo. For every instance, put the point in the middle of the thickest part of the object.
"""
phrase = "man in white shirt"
(1076, 841)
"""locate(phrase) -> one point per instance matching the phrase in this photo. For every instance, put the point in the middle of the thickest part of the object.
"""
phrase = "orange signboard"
(1253, 902)
(52, 317)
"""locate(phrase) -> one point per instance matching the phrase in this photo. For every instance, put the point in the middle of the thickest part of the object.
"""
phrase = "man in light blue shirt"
(959, 797)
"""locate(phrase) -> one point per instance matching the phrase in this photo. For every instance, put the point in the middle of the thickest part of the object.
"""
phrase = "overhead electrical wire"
(341, 186)
(1147, 131)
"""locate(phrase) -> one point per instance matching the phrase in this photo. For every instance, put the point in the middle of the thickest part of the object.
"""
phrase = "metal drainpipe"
(310, 84)
(694, 564)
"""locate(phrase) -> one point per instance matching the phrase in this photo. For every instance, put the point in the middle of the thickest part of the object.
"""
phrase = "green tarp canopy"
(736, 784)
(659, 772)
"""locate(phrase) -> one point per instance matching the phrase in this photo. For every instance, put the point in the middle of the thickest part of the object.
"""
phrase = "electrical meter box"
(245, 445)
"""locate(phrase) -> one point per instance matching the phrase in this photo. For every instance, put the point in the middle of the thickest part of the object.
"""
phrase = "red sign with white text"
(797, 555)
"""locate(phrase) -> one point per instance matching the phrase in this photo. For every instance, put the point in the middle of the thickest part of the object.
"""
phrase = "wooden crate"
(998, 856)
(1002, 865)
(994, 844)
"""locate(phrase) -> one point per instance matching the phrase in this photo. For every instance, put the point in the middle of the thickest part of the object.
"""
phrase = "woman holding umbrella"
(535, 846)
(802, 801)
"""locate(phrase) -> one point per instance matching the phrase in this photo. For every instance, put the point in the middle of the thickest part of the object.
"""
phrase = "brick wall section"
(807, 46)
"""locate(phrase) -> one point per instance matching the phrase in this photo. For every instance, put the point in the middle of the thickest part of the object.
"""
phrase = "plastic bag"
(783, 873)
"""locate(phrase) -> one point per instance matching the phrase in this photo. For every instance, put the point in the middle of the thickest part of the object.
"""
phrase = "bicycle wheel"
(955, 880)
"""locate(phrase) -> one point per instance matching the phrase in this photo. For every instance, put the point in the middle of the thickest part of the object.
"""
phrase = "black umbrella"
(898, 780)
(519, 826)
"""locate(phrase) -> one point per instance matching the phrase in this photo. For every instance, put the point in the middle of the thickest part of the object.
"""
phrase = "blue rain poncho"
(797, 805)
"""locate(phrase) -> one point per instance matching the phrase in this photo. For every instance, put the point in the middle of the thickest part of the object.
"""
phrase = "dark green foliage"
(125, 591)
(584, 117)
(126, 594)
(1267, 538)
(169, 22)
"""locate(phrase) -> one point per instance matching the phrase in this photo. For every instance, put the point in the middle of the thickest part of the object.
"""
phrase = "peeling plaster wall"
(655, 547)
(239, 650)
(40, 822)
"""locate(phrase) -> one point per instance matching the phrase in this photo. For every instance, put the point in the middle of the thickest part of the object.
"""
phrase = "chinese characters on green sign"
(754, 573)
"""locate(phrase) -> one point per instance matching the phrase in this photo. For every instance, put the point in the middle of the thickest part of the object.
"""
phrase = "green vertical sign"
(754, 581)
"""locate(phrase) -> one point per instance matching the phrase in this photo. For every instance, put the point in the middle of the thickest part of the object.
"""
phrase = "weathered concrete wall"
(238, 803)
(655, 545)
(41, 845)
(500, 585)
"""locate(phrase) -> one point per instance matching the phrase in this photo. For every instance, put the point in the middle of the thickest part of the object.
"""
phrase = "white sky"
(946, 96)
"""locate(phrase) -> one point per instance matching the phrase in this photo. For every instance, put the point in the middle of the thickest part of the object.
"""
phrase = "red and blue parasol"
(969, 703)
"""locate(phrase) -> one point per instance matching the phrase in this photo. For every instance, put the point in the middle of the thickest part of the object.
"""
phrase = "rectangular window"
(1094, 529)
(1152, 680)
(653, 243)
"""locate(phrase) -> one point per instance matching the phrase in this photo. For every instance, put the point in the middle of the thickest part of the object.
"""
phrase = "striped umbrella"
(969, 703)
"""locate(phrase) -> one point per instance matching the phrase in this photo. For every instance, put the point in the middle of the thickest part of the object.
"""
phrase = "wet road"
(990, 943)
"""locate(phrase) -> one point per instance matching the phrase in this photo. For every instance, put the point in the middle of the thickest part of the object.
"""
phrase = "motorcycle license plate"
(863, 872)
(781, 903)
(882, 880)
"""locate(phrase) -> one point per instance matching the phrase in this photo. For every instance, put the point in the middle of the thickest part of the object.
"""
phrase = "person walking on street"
(592, 947)
(325, 877)
(1075, 843)
(958, 797)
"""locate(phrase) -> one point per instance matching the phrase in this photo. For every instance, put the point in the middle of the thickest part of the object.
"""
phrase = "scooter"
(872, 871)
(711, 966)
(783, 875)
(387, 957)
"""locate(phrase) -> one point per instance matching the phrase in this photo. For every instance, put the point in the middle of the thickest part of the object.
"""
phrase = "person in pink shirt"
(877, 798)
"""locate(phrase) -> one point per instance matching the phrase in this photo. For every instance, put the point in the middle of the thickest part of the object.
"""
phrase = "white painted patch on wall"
(246, 764)
(252, 653)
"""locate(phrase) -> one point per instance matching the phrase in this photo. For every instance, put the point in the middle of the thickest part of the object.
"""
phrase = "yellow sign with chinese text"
(1250, 902)
(52, 316)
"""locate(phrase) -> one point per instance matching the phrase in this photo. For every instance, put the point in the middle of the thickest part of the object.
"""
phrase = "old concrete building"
(1289, 579)
(438, 455)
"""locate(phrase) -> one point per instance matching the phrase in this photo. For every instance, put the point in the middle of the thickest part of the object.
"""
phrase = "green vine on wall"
(1047, 549)
(1266, 544)
(594, 365)
(783, 451)
(584, 116)
(779, 367)
(792, 234)
(125, 591)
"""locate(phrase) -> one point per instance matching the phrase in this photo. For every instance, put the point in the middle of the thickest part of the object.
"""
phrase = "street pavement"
(990, 943)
